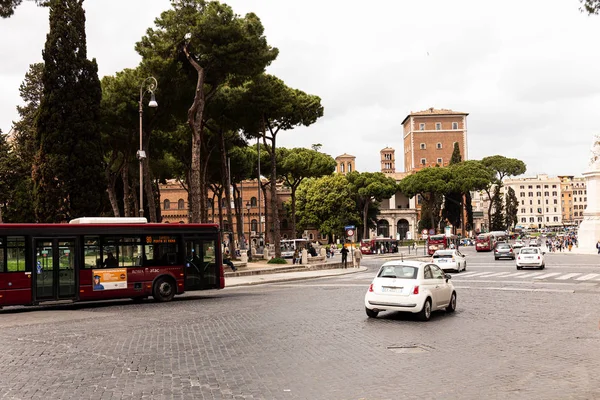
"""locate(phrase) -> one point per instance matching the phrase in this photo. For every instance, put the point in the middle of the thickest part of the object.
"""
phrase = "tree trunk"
(239, 216)
(148, 189)
(293, 198)
(195, 121)
(489, 210)
(127, 195)
(365, 211)
(225, 179)
(274, 205)
(111, 179)
(267, 231)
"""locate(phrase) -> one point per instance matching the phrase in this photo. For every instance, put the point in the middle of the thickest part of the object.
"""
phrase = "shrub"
(277, 261)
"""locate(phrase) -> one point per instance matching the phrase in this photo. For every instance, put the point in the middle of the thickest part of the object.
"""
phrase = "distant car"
(410, 286)
(534, 243)
(449, 260)
(504, 250)
(518, 244)
(531, 257)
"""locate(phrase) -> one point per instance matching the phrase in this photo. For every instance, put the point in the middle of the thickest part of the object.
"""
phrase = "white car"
(410, 286)
(531, 257)
(518, 244)
(449, 260)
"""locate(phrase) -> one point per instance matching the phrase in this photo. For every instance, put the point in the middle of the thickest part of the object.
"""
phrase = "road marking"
(567, 276)
(479, 274)
(469, 273)
(517, 274)
(518, 289)
(530, 275)
(548, 275)
(586, 277)
(495, 274)
(503, 274)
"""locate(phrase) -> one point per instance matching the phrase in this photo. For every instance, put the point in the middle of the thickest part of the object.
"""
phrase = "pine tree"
(512, 208)
(68, 173)
(498, 207)
(453, 200)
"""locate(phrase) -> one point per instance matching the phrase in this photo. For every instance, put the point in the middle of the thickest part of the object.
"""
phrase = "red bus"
(107, 258)
(485, 242)
(440, 242)
(373, 246)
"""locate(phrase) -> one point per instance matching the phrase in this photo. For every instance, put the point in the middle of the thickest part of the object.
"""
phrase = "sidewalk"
(259, 272)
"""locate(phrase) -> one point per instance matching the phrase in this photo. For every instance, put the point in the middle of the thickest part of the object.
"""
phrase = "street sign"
(424, 231)
(432, 231)
(350, 227)
(349, 232)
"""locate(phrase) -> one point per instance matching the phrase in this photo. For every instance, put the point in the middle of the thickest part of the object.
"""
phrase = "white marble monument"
(589, 229)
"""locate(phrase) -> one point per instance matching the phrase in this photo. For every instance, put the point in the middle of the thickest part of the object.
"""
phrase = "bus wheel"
(164, 289)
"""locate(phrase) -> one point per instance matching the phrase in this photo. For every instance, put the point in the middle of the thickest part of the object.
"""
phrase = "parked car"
(410, 286)
(503, 250)
(449, 260)
(531, 257)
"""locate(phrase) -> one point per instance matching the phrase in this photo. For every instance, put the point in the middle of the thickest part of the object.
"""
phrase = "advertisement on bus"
(109, 279)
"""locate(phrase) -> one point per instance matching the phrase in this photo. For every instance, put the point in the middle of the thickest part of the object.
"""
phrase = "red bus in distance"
(485, 242)
(107, 258)
(440, 242)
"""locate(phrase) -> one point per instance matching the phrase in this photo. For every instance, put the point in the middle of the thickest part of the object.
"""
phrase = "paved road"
(512, 337)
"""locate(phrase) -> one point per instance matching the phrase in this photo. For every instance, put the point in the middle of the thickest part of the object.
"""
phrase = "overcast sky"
(525, 71)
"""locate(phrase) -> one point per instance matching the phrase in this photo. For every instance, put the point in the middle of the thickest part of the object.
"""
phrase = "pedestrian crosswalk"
(537, 275)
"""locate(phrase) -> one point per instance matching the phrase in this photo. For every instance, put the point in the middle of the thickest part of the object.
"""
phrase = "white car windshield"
(529, 251)
(398, 271)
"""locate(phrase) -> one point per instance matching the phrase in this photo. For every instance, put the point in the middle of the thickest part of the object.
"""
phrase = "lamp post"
(148, 85)
(248, 205)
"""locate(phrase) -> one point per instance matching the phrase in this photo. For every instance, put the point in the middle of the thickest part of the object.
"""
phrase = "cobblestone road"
(312, 340)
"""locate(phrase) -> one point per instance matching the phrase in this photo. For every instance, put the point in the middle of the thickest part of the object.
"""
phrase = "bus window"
(15, 251)
(125, 249)
(91, 252)
(2, 262)
(161, 250)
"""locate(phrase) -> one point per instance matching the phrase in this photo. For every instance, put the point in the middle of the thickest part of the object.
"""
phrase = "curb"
(299, 278)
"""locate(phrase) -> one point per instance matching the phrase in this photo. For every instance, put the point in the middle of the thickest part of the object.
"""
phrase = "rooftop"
(433, 111)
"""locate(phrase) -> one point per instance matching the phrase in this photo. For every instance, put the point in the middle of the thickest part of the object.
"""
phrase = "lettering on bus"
(160, 239)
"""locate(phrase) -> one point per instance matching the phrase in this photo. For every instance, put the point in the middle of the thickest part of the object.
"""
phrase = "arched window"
(311, 236)
(180, 204)
(254, 225)
(253, 202)
(342, 167)
(383, 228)
(166, 205)
(349, 167)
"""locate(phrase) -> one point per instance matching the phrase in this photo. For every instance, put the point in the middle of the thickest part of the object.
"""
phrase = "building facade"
(429, 137)
(573, 199)
(539, 200)
(345, 164)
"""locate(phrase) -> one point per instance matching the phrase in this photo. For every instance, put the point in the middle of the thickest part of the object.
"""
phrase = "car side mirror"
(447, 276)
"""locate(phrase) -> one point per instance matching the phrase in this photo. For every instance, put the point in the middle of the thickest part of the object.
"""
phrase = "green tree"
(326, 204)
(497, 223)
(512, 208)
(501, 167)
(298, 164)
(430, 183)
(209, 42)
(7, 7)
(68, 168)
(370, 188)
(591, 6)
(453, 200)
(279, 108)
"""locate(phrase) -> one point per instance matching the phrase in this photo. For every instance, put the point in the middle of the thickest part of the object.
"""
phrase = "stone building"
(345, 164)
(429, 137)
(539, 200)
(573, 199)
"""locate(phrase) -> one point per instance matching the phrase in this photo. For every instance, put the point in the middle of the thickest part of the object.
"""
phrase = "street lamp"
(149, 84)
(248, 205)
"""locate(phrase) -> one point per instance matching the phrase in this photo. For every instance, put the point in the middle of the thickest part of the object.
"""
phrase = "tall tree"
(298, 164)
(497, 223)
(279, 108)
(370, 188)
(68, 167)
(453, 201)
(512, 208)
(326, 204)
(501, 167)
(207, 40)
(430, 183)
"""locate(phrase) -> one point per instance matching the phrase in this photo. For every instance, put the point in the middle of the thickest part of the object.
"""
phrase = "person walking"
(344, 253)
(357, 257)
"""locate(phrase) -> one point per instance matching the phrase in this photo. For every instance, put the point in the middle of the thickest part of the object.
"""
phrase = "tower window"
(438, 126)
(423, 161)
(423, 146)
(455, 125)
(422, 127)
(439, 146)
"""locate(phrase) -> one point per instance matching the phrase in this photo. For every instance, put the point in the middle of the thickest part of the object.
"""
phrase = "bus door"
(54, 269)
(201, 269)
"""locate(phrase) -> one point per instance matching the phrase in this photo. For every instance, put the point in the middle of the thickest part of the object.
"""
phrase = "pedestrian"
(357, 257)
(344, 252)
(296, 256)
(227, 260)
(332, 251)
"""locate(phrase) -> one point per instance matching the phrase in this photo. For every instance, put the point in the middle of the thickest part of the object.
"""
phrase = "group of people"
(357, 256)
(560, 244)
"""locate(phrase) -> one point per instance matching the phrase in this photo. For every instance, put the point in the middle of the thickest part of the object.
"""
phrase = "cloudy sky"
(525, 71)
